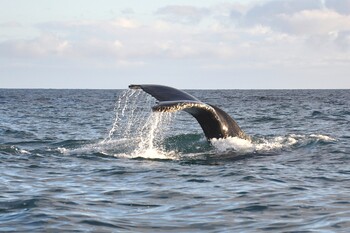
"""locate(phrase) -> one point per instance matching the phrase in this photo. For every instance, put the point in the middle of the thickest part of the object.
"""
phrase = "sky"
(203, 44)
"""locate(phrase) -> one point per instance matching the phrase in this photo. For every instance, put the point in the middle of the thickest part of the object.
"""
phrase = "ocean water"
(101, 161)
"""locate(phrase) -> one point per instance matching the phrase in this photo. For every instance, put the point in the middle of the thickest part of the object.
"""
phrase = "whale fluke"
(214, 121)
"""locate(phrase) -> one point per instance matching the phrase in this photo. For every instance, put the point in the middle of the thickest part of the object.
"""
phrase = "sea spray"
(152, 136)
(136, 129)
(122, 105)
(132, 109)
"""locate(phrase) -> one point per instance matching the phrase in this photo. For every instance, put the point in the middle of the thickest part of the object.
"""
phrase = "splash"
(232, 144)
(124, 113)
(268, 144)
(151, 137)
(137, 131)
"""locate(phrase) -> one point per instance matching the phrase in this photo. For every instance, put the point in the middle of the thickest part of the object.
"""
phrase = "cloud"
(324, 22)
(297, 17)
(128, 11)
(266, 35)
(125, 23)
(11, 24)
(43, 46)
(309, 22)
(183, 14)
(120, 41)
(268, 12)
(341, 6)
(343, 40)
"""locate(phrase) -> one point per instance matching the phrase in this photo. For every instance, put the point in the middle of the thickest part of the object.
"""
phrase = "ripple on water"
(8, 206)
(59, 172)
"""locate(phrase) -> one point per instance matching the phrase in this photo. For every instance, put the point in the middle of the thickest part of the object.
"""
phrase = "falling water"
(137, 127)
(122, 106)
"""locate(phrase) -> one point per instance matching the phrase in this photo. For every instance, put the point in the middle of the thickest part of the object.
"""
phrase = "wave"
(12, 150)
(8, 134)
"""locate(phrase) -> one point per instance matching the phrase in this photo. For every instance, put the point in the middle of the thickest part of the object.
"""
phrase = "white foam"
(266, 144)
(233, 143)
(324, 138)
(22, 151)
(151, 153)
(275, 143)
(63, 150)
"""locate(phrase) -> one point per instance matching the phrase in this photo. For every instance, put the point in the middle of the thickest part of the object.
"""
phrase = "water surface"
(100, 161)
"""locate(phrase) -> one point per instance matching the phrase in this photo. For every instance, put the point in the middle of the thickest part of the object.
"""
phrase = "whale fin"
(204, 114)
(214, 121)
(164, 93)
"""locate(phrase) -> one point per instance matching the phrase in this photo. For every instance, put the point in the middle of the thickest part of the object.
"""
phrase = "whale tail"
(214, 121)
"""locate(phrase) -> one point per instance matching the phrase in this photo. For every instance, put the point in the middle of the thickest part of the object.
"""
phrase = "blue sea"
(102, 161)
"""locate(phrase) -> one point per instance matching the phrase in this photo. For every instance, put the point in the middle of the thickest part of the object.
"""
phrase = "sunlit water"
(101, 161)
